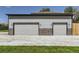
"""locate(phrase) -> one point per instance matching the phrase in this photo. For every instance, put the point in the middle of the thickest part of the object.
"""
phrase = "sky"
(26, 10)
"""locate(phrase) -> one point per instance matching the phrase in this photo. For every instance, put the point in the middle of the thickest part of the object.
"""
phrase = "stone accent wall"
(69, 31)
(10, 31)
(45, 31)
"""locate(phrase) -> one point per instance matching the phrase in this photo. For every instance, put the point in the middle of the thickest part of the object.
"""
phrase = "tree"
(74, 11)
(77, 16)
(45, 10)
(70, 9)
(3, 26)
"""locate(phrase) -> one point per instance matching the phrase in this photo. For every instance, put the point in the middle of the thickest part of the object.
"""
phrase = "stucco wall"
(44, 22)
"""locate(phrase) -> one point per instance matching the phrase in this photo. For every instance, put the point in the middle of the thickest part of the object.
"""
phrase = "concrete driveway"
(3, 33)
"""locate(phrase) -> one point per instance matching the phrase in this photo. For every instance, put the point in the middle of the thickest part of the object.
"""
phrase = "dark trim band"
(42, 14)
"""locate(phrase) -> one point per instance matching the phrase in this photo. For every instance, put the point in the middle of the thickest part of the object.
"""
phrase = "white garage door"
(26, 29)
(59, 29)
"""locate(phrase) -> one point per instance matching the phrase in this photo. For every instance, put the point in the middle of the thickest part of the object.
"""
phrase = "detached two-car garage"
(40, 24)
(26, 28)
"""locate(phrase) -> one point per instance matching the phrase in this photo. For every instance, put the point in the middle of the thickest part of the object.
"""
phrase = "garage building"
(40, 24)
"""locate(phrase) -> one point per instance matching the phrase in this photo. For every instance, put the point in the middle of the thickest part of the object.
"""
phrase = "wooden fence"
(75, 29)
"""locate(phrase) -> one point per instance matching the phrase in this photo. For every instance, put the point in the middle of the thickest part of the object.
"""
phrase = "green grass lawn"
(3, 30)
(38, 49)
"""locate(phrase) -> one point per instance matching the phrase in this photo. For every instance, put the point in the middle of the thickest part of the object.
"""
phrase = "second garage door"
(26, 29)
(59, 28)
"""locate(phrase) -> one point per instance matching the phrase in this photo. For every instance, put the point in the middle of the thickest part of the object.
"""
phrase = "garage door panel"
(26, 29)
(59, 29)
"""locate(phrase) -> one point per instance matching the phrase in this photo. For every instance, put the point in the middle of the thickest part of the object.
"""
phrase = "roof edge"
(42, 14)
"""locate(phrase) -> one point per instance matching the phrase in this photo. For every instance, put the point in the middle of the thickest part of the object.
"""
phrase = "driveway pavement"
(3, 33)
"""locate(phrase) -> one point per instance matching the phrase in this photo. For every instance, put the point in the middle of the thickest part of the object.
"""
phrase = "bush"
(3, 27)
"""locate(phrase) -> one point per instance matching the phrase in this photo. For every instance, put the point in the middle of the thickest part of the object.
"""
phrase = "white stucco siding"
(44, 23)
